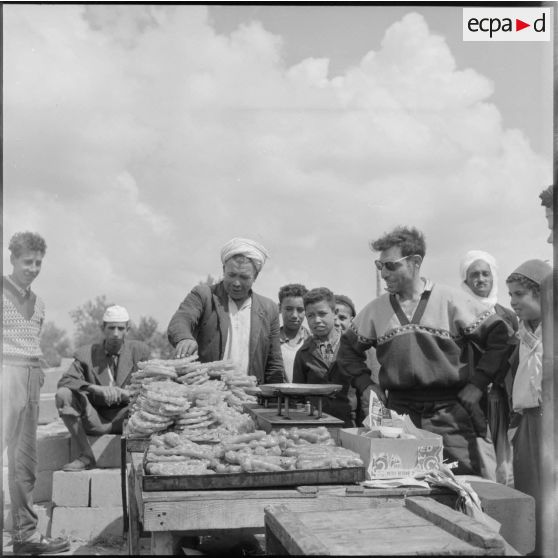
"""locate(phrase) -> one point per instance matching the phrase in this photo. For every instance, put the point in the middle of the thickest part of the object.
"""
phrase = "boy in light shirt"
(525, 427)
(292, 333)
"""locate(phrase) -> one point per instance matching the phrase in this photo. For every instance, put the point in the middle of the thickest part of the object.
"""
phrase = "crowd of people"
(456, 361)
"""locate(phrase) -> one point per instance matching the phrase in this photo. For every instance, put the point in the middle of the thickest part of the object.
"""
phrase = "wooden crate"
(236, 481)
(421, 527)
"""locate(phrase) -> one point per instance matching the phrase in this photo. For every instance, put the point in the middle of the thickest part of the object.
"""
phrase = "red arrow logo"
(519, 25)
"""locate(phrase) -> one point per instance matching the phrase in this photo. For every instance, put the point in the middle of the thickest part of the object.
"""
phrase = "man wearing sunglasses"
(420, 330)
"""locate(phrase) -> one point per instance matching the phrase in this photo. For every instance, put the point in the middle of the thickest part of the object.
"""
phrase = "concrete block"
(55, 428)
(53, 452)
(513, 509)
(71, 489)
(47, 409)
(86, 523)
(44, 515)
(52, 375)
(106, 450)
(106, 488)
(43, 486)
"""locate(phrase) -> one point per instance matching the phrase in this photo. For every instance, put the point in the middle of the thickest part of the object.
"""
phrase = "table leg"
(123, 482)
(319, 407)
(162, 543)
(133, 517)
(279, 404)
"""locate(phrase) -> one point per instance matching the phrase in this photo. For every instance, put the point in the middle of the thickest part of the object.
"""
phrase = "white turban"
(471, 257)
(246, 247)
(116, 314)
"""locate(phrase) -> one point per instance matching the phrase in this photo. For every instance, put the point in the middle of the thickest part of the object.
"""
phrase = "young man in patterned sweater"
(22, 377)
(420, 331)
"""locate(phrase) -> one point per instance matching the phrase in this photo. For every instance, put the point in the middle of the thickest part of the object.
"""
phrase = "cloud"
(138, 140)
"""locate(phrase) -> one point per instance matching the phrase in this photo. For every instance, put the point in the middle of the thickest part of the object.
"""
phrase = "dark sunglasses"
(390, 265)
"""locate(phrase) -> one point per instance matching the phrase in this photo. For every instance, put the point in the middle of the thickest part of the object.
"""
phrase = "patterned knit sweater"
(22, 323)
(429, 357)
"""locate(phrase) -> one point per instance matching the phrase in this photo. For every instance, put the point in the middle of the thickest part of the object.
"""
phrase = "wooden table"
(169, 514)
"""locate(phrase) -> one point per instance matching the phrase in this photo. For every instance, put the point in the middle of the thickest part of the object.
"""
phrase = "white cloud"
(138, 141)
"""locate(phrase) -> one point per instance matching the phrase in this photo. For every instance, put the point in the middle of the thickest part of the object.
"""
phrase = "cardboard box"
(386, 458)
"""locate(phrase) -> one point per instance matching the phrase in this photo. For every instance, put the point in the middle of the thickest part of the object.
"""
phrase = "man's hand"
(111, 395)
(469, 396)
(185, 348)
(365, 397)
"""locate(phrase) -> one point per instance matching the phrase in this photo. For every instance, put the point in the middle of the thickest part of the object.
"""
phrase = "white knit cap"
(249, 248)
(116, 314)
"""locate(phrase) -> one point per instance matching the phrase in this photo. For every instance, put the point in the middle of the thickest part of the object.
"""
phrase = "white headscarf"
(471, 257)
(249, 248)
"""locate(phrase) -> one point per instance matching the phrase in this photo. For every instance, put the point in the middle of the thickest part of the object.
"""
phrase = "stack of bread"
(311, 448)
(203, 401)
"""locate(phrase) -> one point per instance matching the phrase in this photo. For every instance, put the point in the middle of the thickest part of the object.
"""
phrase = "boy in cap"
(92, 396)
(23, 316)
(524, 286)
(230, 321)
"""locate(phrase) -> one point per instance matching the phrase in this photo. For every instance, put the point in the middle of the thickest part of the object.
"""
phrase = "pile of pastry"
(202, 400)
(308, 448)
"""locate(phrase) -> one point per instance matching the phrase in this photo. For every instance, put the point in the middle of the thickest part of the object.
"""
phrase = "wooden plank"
(213, 514)
(400, 540)
(133, 527)
(342, 475)
(391, 516)
(294, 537)
(455, 522)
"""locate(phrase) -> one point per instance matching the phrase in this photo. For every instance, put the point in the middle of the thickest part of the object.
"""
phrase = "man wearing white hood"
(229, 321)
(479, 278)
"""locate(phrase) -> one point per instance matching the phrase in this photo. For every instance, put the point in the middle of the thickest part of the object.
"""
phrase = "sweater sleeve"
(185, 320)
(490, 332)
(351, 359)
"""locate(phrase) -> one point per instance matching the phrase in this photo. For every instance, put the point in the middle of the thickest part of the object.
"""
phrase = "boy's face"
(523, 302)
(26, 267)
(292, 312)
(343, 317)
(321, 318)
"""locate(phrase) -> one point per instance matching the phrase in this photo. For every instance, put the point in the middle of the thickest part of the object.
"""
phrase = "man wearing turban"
(479, 279)
(92, 397)
(228, 320)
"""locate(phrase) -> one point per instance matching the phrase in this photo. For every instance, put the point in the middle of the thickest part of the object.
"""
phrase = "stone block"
(47, 409)
(106, 488)
(71, 489)
(53, 452)
(513, 509)
(52, 375)
(86, 523)
(106, 450)
(43, 486)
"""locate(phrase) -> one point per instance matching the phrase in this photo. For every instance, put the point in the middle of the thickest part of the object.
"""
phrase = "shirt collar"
(23, 293)
(301, 336)
(246, 304)
(332, 340)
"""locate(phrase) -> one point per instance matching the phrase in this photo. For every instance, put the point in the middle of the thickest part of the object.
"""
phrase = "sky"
(139, 139)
